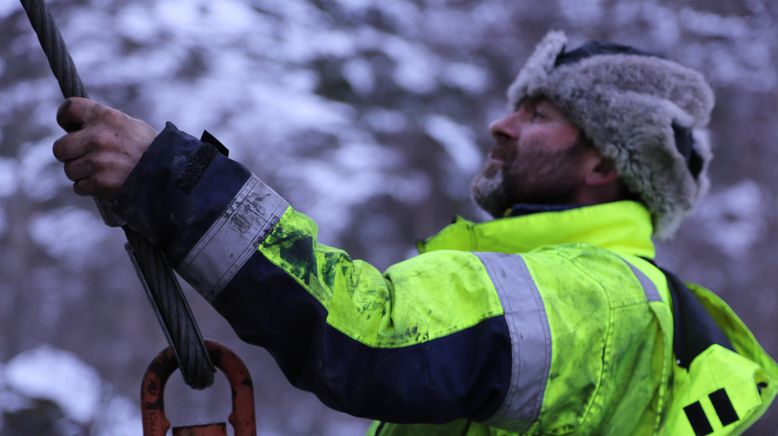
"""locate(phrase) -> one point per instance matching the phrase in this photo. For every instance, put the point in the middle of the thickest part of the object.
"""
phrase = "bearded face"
(536, 159)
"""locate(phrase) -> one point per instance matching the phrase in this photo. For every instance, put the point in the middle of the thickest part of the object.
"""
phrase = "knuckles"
(100, 138)
(75, 112)
(102, 146)
(71, 113)
(63, 113)
(58, 149)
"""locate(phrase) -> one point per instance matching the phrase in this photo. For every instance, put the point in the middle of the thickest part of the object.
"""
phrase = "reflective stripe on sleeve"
(232, 238)
(652, 294)
(530, 340)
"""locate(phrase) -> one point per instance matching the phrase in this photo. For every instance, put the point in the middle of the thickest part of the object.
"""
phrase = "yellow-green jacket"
(550, 323)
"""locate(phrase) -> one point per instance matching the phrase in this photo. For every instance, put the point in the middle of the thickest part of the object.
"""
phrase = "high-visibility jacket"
(550, 323)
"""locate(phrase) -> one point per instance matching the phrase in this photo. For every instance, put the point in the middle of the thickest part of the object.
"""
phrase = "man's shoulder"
(591, 270)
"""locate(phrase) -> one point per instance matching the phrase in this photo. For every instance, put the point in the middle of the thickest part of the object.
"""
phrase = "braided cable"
(172, 310)
(54, 47)
(157, 277)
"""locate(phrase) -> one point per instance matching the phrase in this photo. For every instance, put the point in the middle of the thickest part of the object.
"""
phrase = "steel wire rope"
(156, 276)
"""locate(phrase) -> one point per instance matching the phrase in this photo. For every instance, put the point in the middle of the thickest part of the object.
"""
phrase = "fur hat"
(646, 113)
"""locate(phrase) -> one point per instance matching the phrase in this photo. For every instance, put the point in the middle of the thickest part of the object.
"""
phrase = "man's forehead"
(540, 100)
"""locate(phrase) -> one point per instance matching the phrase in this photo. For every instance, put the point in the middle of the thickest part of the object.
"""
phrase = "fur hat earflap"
(646, 113)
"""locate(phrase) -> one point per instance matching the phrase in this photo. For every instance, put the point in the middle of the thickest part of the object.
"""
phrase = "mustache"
(503, 148)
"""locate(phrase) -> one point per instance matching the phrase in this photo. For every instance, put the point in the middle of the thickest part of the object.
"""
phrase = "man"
(550, 319)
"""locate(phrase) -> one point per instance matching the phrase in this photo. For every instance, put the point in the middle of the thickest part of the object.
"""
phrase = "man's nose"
(507, 126)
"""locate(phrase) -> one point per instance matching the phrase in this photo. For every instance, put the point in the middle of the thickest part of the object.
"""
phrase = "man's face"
(536, 158)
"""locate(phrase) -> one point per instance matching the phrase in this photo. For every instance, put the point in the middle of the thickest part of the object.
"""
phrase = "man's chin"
(492, 169)
(487, 192)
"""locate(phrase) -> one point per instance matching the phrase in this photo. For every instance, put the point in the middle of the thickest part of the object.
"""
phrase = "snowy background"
(368, 115)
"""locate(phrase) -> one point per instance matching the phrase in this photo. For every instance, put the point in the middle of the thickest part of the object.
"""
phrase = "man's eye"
(538, 115)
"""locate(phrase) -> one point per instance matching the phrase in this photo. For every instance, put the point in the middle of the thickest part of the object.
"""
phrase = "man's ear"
(600, 171)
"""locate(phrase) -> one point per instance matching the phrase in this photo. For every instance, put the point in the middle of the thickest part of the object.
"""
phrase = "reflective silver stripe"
(233, 238)
(652, 294)
(530, 340)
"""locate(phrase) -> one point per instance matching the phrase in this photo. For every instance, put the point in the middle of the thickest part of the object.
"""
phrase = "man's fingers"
(71, 146)
(75, 112)
(78, 169)
(96, 185)
(102, 147)
(85, 187)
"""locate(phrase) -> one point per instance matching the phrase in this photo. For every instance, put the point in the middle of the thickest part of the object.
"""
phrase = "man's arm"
(425, 342)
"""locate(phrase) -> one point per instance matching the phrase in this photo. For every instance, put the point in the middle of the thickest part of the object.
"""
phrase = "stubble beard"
(540, 177)
(488, 191)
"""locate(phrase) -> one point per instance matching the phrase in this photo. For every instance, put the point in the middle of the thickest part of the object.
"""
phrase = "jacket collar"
(522, 209)
(623, 227)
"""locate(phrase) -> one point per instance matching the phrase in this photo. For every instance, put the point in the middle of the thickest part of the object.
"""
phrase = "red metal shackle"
(153, 392)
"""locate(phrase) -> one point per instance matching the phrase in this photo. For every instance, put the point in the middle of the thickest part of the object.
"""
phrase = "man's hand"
(102, 147)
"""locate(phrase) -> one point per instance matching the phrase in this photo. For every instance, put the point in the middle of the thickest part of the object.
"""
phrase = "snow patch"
(57, 375)
(119, 417)
(137, 24)
(294, 110)
(46, 373)
(41, 178)
(467, 77)
(9, 181)
(359, 74)
(582, 11)
(735, 218)
(387, 121)
(710, 24)
(334, 44)
(415, 66)
(178, 15)
(364, 156)
(231, 16)
(67, 233)
(457, 140)
(8, 7)
(355, 5)
(412, 188)
(402, 13)
(666, 29)
(13, 401)
(624, 13)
